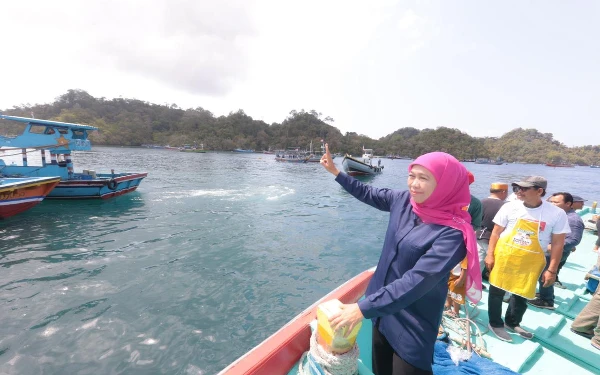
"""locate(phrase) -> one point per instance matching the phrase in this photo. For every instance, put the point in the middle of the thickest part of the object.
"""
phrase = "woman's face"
(421, 183)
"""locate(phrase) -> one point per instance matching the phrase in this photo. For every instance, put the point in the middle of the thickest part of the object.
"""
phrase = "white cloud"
(373, 66)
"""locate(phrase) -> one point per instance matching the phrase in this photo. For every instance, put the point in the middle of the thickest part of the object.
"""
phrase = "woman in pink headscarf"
(429, 232)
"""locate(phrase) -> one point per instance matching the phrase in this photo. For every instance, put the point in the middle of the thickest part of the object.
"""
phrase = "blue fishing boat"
(57, 140)
(554, 348)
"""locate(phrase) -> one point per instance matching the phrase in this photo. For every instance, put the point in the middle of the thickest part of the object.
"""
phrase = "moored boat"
(20, 194)
(241, 150)
(292, 155)
(498, 161)
(315, 156)
(357, 167)
(59, 139)
(194, 148)
(560, 165)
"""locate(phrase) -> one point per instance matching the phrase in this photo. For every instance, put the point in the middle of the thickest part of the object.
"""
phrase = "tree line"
(133, 122)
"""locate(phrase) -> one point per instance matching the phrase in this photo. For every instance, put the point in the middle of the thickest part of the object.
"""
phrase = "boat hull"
(21, 194)
(355, 167)
(280, 352)
(104, 187)
(291, 160)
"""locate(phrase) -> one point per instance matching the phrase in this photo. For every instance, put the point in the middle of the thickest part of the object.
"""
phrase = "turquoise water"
(210, 256)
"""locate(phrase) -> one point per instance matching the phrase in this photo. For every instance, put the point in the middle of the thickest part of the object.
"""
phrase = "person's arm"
(462, 278)
(494, 237)
(574, 238)
(380, 198)
(597, 245)
(477, 215)
(556, 249)
(445, 253)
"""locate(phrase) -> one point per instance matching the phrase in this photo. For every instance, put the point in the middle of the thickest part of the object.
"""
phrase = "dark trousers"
(560, 265)
(387, 362)
(546, 293)
(517, 306)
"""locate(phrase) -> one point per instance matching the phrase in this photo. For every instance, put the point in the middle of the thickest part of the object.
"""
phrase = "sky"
(483, 67)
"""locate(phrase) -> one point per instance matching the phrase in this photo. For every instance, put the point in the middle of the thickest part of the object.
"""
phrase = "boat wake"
(268, 193)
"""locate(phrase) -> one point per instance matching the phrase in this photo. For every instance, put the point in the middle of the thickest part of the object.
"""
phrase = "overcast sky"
(484, 67)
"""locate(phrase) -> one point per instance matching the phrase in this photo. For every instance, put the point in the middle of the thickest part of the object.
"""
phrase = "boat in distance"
(59, 139)
(357, 167)
(489, 161)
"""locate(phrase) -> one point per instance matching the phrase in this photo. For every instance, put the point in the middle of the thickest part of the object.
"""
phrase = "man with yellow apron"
(525, 232)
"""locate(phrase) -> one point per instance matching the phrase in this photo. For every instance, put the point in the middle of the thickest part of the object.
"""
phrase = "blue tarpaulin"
(443, 364)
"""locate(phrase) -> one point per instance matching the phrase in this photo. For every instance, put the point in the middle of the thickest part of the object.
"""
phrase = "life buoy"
(112, 184)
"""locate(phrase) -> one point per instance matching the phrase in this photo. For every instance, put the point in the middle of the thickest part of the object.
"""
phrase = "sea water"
(212, 254)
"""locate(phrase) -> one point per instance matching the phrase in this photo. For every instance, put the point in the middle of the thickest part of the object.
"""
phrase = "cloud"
(415, 31)
(193, 46)
(188, 45)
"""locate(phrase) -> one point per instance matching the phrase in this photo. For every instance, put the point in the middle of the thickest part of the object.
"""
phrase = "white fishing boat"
(362, 167)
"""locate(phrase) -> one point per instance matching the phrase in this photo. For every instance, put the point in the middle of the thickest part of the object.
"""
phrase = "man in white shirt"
(517, 251)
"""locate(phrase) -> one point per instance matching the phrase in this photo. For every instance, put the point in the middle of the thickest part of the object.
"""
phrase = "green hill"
(133, 122)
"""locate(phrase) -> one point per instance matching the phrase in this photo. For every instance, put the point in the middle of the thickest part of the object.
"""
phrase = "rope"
(320, 362)
(34, 149)
(460, 326)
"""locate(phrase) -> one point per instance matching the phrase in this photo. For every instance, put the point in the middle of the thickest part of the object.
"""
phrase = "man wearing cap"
(563, 201)
(490, 207)
(516, 256)
(577, 202)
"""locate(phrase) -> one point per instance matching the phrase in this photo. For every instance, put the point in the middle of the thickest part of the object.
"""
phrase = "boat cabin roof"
(61, 137)
(34, 121)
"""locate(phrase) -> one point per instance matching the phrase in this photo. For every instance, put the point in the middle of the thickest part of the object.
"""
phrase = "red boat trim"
(118, 192)
(131, 177)
(280, 352)
(21, 200)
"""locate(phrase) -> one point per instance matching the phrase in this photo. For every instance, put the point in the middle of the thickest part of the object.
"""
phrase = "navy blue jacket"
(407, 292)
(574, 238)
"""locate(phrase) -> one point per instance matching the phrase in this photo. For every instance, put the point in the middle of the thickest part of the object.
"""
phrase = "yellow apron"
(519, 260)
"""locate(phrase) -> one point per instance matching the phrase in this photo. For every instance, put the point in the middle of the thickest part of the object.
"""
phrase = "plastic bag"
(457, 354)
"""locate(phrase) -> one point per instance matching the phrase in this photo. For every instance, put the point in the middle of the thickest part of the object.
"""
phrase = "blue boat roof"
(35, 121)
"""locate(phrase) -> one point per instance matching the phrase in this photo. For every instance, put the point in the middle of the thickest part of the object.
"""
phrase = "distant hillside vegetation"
(133, 122)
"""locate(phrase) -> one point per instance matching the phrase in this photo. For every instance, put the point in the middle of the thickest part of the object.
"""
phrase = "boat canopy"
(61, 137)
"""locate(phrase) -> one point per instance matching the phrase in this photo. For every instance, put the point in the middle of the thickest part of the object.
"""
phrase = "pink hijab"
(448, 205)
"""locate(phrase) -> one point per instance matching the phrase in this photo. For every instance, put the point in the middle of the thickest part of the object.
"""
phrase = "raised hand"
(327, 162)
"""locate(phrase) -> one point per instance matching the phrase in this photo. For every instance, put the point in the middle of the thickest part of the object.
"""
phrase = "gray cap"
(531, 181)
(577, 198)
